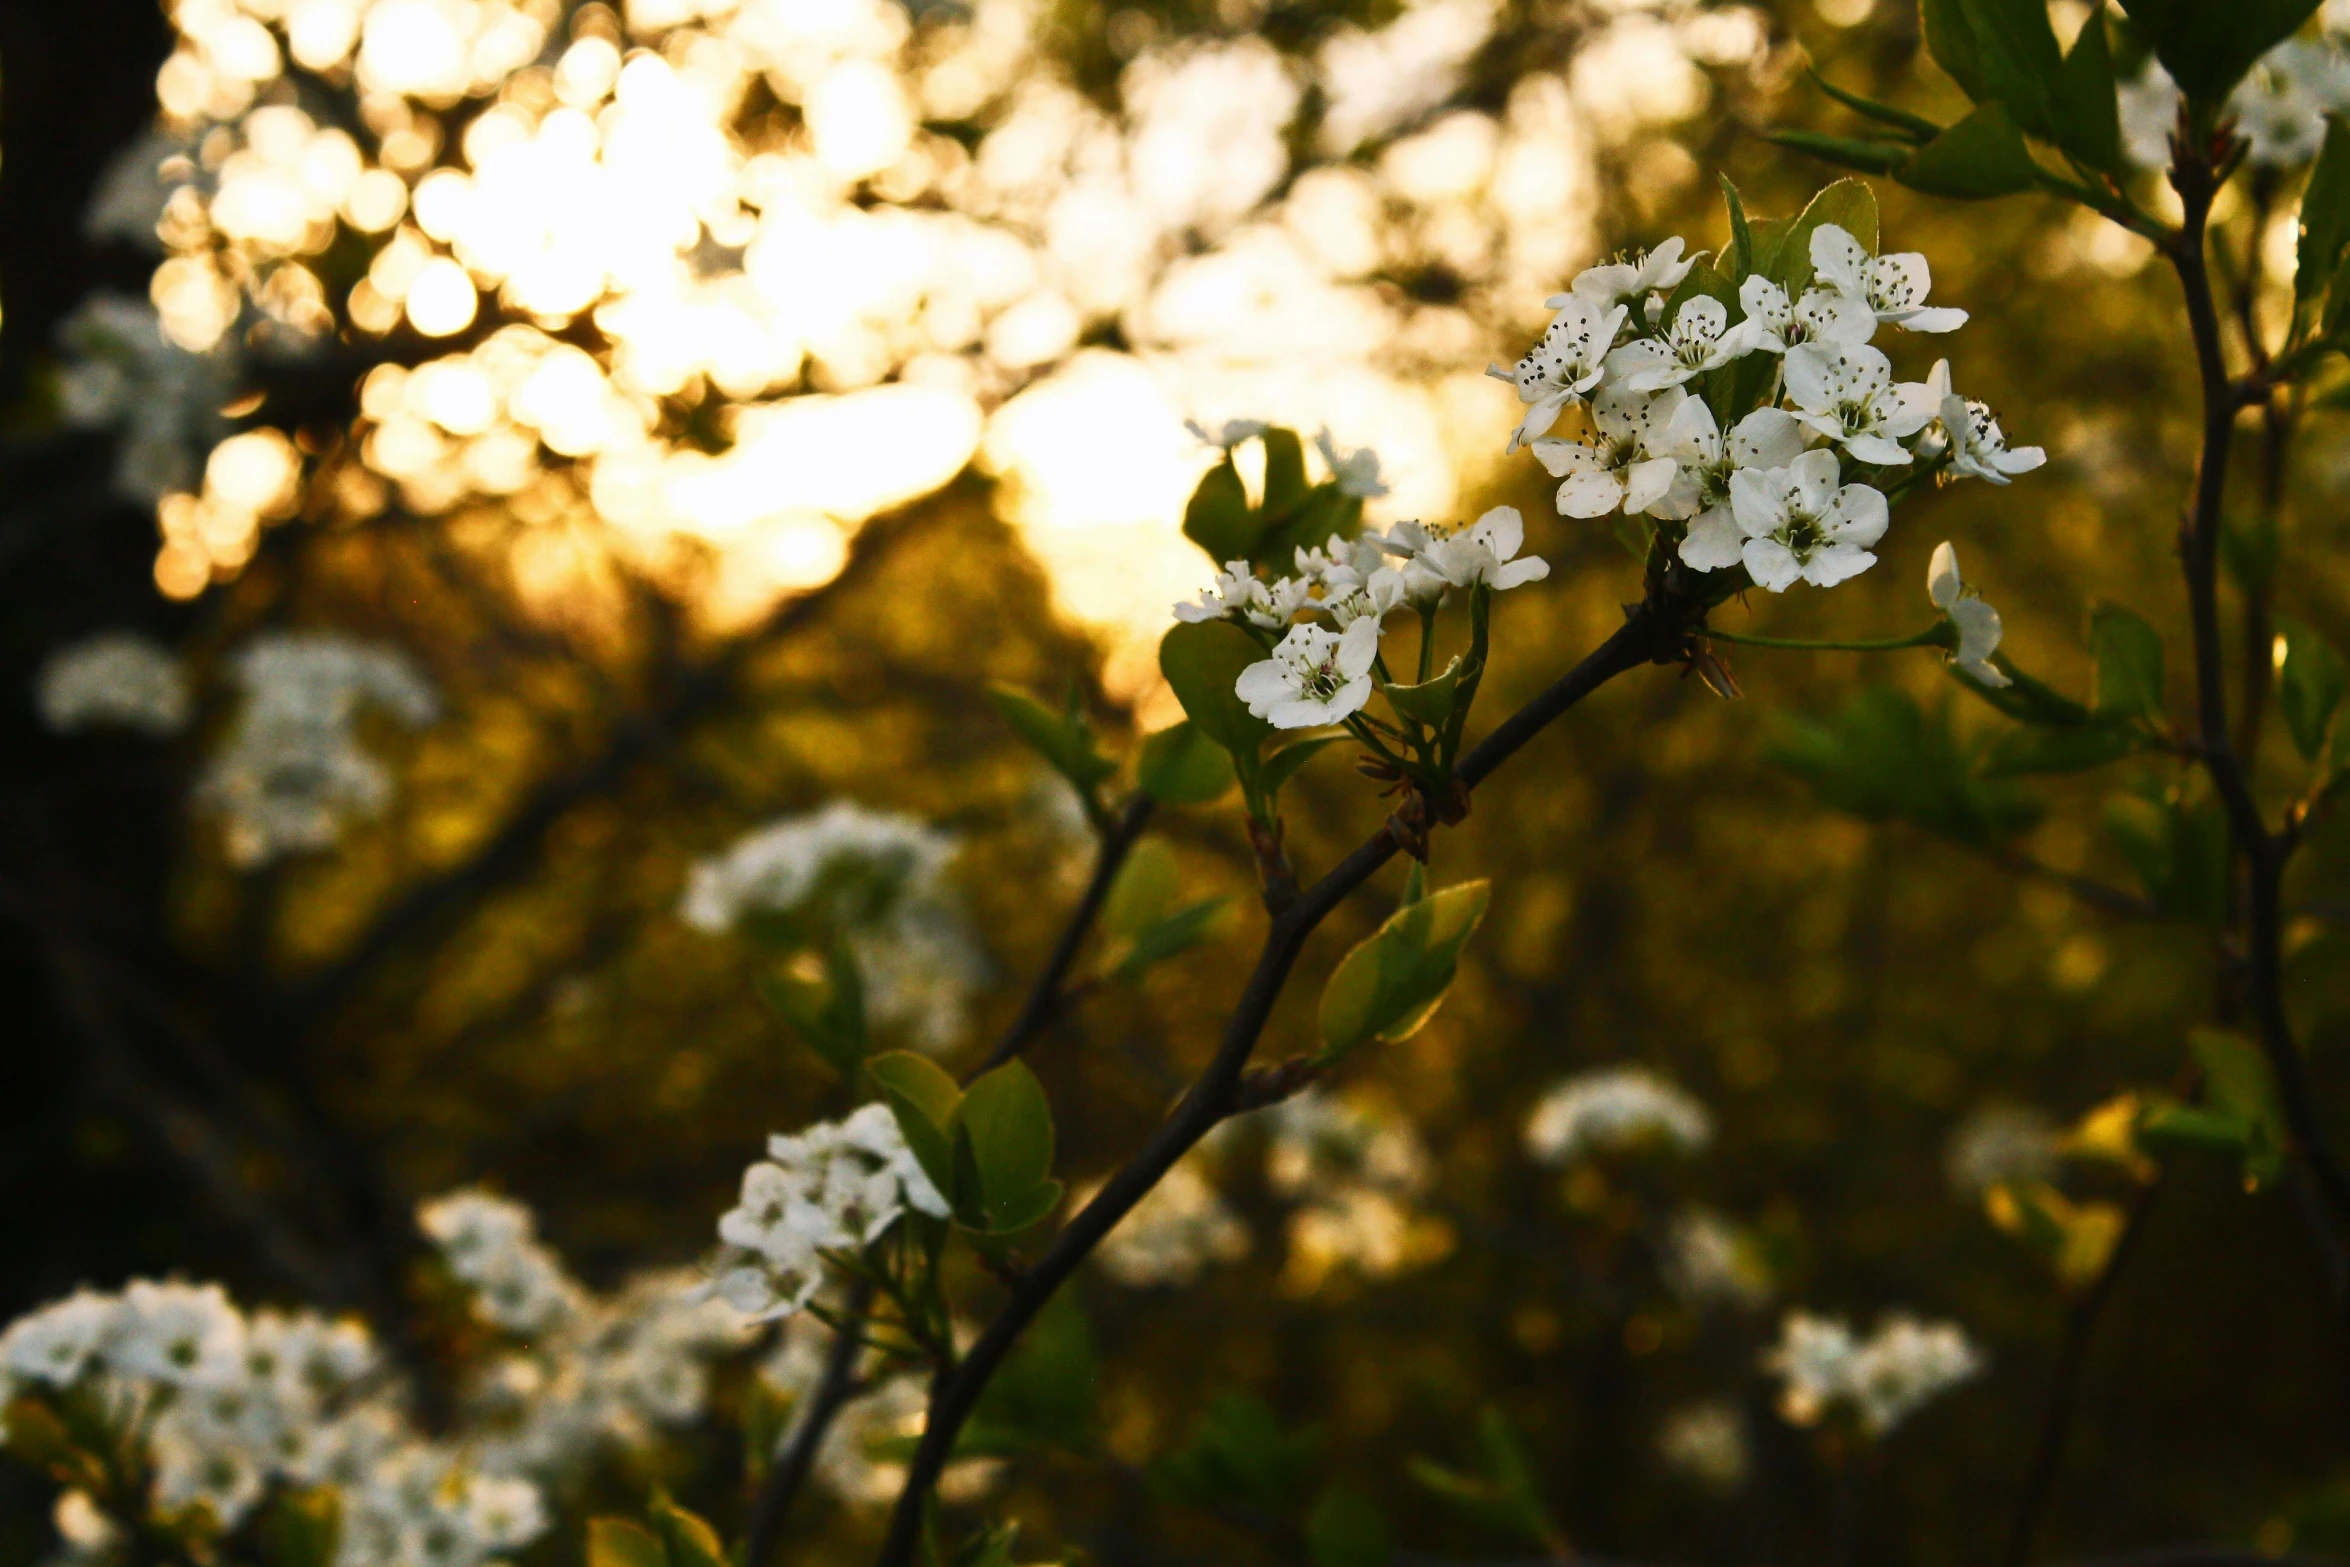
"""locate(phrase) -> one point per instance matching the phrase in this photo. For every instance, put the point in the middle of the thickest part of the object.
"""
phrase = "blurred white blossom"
(1706, 1442)
(1182, 1227)
(119, 678)
(1613, 1109)
(2001, 1145)
(1880, 1380)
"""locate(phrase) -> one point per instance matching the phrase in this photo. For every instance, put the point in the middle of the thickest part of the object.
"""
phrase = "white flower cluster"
(1781, 491)
(1881, 1380)
(491, 1245)
(291, 772)
(227, 1405)
(1706, 1442)
(1710, 1260)
(1182, 1227)
(2001, 1145)
(1353, 1169)
(119, 678)
(2280, 106)
(838, 1186)
(120, 369)
(1611, 1110)
(878, 881)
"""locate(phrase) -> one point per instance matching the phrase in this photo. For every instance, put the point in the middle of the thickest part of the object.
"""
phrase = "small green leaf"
(1500, 1494)
(2238, 1082)
(622, 1542)
(1845, 152)
(1980, 157)
(2023, 752)
(2178, 851)
(689, 1541)
(1347, 1529)
(2207, 46)
(1741, 257)
(1429, 703)
(2024, 698)
(1238, 1452)
(1007, 1221)
(827, 1015)
(924, 1099)
(2325, 216)
(301, 1527)
(1218, 518)
(1145, 885)
(2021, 64)
(1188, 927)
(1043, 1395)
(2309, 686)
(1010, 1124)
(1914, 127)
(988, 1547)
(1396, 978)
(1884, 757)
(1285, 473)
(1850, 206)
(2127, 651)
(1201, 660)
(1181, 766)
(1950, 39)
(1062, 739)
(2088, 114)
(1286, 763)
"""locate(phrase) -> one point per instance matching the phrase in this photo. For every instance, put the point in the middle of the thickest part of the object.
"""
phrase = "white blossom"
(1657, 271)
(55, 1344)
(1352, 1170)
(489, 1243)
(1369, 599)
(1236, 590)
(1706, 1442)
(181, 1335)
(2149, 106)
(1180, 1228)
(1613, 1109)
(1316, 676)
(1566, 364)
(1356, 473)
(1847, 393)
(1621, 464)
(1894, 288)
(2001, 1145)
(1699, 339)
(880, 882)
(1881, 1380)
(120, 678)
(2282, 103)
(1774, 325)
(1709, 1260)
(291, 773)
(1483, 553)
(1229, 434)
(119, 369)
(1703, 460)
(1977, 622)
(1801, 526)
(1978, 446)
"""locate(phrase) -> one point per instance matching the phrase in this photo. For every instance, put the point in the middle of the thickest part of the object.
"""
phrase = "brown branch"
(1650, 632)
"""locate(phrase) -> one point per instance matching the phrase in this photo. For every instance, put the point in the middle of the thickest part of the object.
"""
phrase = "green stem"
(1427, 642)
(1936, 635)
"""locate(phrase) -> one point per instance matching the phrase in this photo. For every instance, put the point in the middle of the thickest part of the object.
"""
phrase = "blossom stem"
(1649, 633)
(1936, 635)
(1427, 642)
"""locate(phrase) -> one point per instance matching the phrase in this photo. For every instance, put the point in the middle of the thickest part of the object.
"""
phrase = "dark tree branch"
(1050, 992)
(2064, 1387)
(1651, 631)
(789, 1470)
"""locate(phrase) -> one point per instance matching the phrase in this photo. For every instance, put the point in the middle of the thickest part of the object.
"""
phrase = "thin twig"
(1650, 631)
(790, 1469)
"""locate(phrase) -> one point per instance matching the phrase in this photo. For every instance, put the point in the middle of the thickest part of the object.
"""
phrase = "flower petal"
(1942, 581)
(1771, 564)
(1713, 541)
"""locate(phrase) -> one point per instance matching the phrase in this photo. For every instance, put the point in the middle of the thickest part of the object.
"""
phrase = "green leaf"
(1883, 757)
(1217, 518)
(301, 1527)
(1063, 739)
(689, 1541)
(1181, 766)
(1010, 1124)
(1009, 1220)
(2127, 651)
(990, 1546)
(2325, 216)
(2023, 752)
(2018, 56)
(1286, 763)
(1429, 703)
(2088, 114)
(1500, 1494)
(1849, 205)
(621, 1542)
(924, 1098)
(1285, 473)
(1188, 927)
(1201, 660)
(2309, 686)
(1846, 152)
(1950, 39)
(1309, 523)
(2208, 46)
(2024, 698)
(1347, 1529)
(1394, 980)
(827, 1015)
(2238, 1082)
(1239, 1452)
(1145, 885)
(1980, 157)
(1741, 257)
(2177, 851)
(1914, 127)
